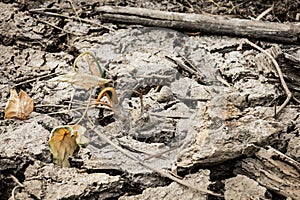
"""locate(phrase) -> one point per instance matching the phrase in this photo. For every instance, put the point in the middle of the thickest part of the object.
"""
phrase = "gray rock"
(174, 191)
(243, 188)
(165, 95)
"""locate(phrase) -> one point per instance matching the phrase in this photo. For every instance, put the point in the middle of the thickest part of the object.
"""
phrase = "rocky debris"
(273, 170)
(242, 187)
(29, 138)
(52, 182)
(18, 27)
(28, 69)
(176, 191)
(293, 149)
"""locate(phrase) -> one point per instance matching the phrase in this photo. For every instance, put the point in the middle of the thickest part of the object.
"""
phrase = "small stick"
(161, 153)
(216, 4)
(20, 185)
(283, 83)
(135, 150)
(259, 17)
(87, 107)
(222, 80)
(297, 100)
(66, 111)
(63, 30)
(34, 79)
(67, 17)
(71, 100)
(49, 105)
(16, 180)
(170, 115)
(76, 13)
(161, 172)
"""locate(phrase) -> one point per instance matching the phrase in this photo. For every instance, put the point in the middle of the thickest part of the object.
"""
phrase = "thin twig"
(68, 17)
(87, 107)
(13, 192)
(170, 115)
(161, 153)
(161, 172)
(67, 111)
(76, 13)
(16, 180)
(135, 150)
(259, 17)
(279, 72)
(34, 79)
(20, 185)
(295, 99)
(71, 101)
(222, 80)
(49, 105)
(63, 30)
(216, 4)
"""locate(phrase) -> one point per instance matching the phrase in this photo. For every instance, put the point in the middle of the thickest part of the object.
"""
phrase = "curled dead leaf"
(18, 106)
(65, 141)
(62, 145)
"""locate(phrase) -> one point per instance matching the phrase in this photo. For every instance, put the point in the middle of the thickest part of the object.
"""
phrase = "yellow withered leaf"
(18, 106)
(65, 141)
(62, 144)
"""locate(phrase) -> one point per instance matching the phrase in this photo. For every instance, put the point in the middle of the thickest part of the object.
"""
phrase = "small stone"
(242, 187)
(165, 95)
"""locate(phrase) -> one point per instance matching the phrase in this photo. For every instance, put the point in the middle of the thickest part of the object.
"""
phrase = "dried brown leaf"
(65, 141)
(18, 107)
(62, 145)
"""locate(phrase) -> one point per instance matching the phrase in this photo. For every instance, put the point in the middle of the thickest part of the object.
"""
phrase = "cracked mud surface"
(207, 111)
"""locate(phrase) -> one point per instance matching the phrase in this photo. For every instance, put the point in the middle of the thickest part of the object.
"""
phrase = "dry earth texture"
(200, 108)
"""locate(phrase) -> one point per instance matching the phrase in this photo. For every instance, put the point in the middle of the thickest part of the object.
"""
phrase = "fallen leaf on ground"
(18, 107)
(85, 81)
(62, 145)
(65, 141)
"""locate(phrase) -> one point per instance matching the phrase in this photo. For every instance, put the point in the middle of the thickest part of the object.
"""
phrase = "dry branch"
(288, 33)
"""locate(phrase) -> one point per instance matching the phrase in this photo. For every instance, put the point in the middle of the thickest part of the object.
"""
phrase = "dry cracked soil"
(197, 107)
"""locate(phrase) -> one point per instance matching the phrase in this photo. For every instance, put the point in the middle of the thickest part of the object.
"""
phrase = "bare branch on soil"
(280, 32)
